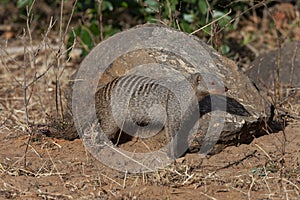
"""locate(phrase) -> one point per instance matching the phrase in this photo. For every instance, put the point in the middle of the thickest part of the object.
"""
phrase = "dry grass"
(63, 169)
(33, 76)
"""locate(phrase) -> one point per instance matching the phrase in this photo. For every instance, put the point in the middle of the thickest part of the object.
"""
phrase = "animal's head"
(206, 87)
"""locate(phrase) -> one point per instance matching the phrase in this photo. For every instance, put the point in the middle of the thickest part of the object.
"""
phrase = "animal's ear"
(196, 78)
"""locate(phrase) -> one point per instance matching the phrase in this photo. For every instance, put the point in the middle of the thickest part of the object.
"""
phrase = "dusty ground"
(60, 169)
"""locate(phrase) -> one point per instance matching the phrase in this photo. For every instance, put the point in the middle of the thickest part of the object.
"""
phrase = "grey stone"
(229, 119)
(279, 83)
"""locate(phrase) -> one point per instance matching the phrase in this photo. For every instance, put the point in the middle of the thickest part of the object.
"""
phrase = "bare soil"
(60, 169)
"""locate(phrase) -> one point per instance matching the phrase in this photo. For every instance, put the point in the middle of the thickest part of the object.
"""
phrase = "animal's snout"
(217, 89)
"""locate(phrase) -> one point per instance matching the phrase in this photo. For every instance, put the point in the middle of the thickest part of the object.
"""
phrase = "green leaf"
(152, 3)
(224, 20)
(86, 37)
(247, 39)
(106, 5)
(23, 3)
(190, 1)
(225, 49)
(124, 4)
(173, 4)
(94, 28)
(202, 6)
(188, 17)
(185, 27)
(152, 6)
(109, 30)
(218, 14)
(4, 1)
